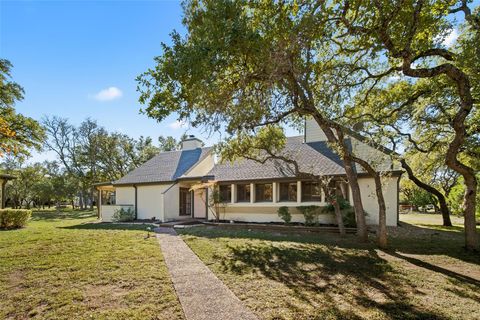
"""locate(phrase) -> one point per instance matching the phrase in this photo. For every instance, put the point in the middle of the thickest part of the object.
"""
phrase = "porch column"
(252, 192)
(299, 192)
(233, 193)
(274, 191)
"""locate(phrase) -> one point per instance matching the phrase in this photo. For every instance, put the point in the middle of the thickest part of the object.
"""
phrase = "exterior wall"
(107, 211)
(171, 203)
(125, 195)
(313, 131)
(150, 201)
(202, 168)
(266, 213)
(369, 199)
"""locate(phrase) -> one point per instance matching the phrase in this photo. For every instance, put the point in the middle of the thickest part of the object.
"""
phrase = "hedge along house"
(169, 186)
(4, 178)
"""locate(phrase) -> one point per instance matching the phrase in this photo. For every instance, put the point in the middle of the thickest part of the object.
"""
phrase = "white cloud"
(451, 38)
(111, 93)
(177, 125)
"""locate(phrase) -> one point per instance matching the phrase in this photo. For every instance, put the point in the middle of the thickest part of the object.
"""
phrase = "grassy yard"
(68, 267)
(425, 275)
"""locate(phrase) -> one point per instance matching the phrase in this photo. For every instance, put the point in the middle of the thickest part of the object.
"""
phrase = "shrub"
(310, 213)
(123, 215)
(284, 214)
(14, 218)
(348, 213)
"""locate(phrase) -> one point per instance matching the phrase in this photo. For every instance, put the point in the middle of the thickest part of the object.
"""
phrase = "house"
(169, 186)
(4, 178)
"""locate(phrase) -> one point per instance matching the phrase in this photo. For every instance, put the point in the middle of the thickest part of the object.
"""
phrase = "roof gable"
(165, 167)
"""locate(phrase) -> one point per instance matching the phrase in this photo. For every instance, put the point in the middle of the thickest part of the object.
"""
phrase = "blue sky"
(79, 59)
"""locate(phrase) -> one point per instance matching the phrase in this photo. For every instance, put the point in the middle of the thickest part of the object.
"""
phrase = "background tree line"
(86, 154)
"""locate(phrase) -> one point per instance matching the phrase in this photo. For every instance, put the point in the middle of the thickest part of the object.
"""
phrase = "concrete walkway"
(202, 295)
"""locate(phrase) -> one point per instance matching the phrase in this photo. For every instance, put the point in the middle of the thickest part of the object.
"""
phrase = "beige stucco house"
(162, 187)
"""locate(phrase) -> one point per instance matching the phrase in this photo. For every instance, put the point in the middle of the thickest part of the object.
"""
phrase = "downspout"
(136, 210)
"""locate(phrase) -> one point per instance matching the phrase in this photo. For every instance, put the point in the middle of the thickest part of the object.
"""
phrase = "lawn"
(69, 267)
(424, 275)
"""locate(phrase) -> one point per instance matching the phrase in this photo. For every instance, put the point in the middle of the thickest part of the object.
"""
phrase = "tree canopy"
(249, 65)
(18, 133)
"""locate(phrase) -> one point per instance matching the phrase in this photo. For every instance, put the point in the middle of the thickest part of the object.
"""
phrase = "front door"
(185, 202)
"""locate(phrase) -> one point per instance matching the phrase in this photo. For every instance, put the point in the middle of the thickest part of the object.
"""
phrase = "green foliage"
(123, 215)
(455, 200)
(310, 214)
(18, 133)
(14, 218)
(284, 214)
(348, 213)
(414, 195)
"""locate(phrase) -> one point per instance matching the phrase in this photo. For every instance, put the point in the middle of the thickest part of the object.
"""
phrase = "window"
(108, 197)
(225, 193)
(311, 191)
(263, 192)
(243, 192)
(288, 191)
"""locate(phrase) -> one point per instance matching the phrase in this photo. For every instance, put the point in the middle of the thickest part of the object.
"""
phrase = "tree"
(409, 75)
(247, 66)
(17, 133)
(168, 143)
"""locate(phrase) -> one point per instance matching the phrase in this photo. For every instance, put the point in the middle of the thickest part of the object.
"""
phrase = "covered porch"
(107, 205)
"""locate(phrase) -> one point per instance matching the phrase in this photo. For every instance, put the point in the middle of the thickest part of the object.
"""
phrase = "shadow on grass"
(62, 215)
(334, 267)
(110, 226)
(329, 270)
(432, 240)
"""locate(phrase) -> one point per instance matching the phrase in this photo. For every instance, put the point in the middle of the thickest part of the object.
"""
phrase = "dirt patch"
(16, 281)
(106, 296)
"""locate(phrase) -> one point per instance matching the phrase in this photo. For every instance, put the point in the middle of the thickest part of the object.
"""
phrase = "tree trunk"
(440, 197)
(351, 176)
(80, 200)
(469, 203)
(92, 197)
(338, 212)
(382, 211)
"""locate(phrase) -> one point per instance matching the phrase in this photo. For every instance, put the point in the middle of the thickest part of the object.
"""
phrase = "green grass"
(424, 275)
(66, 266)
